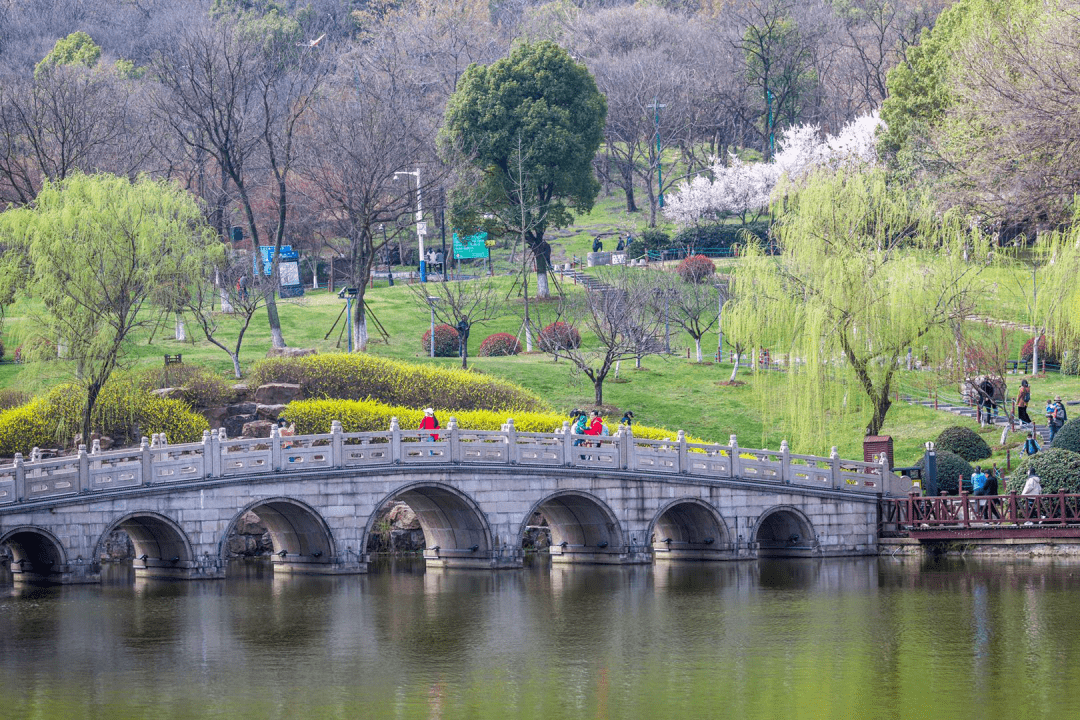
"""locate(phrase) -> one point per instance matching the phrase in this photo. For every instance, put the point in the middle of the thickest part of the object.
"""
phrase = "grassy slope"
(670, 391)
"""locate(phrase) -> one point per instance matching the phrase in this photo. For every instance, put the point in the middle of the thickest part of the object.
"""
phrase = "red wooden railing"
(966, 510)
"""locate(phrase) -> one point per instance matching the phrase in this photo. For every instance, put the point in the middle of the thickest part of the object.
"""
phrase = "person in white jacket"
(1032, 486)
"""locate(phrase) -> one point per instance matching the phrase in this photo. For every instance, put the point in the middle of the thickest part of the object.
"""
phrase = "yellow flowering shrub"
(358, 376)
(316, 416)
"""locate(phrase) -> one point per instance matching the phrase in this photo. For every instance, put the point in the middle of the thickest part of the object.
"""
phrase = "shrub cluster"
(500, 344)
(721, 236)
(316, 416)
(696, 269)
(358, 376)
(447, 342)
(559, 336)
(123, 411)
(950, 467)
(1057, 468)
(10, 398)
(963, 441)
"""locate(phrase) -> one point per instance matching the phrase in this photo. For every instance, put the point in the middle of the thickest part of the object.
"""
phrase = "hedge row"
(358, 376)
(124, 411)
(316, 416)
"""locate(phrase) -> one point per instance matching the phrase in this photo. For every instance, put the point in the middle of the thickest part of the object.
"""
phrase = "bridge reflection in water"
(618, 500)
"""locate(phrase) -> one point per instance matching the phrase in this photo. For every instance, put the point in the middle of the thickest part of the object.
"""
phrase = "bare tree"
(461, 304)
(691, 306)
(618, 317)
(365, 134)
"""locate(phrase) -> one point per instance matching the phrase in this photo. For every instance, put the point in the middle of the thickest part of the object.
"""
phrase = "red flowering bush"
(446, 341)
(1045, 354)
(696, 269)
(559, 336)
(499, 344)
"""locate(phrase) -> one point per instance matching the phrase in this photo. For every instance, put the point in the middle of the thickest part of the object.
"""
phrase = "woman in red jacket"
(430, 422)
(596, 425)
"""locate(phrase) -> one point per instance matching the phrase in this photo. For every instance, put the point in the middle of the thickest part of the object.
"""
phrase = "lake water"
(838, 638)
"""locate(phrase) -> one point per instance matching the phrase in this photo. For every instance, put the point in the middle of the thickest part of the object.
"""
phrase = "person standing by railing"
(1032, 486)
(979, 483)
(430, 422)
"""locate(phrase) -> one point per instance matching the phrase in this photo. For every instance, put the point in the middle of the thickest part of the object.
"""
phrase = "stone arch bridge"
(617, 499)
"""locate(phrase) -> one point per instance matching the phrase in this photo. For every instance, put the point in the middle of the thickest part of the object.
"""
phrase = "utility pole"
(421, 226)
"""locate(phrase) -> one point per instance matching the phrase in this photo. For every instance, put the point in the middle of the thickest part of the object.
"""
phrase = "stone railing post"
(84, 469)
(684, 462)
(736, 465)
(95, 449)
(568, 443)
(629, 448)
(455, 440)
(337, 444)
(275, 448)
(511, 442)
(785, 462)
(20, 478)
(207, 453)
(395, 441)
(886, 471)
(147, 460)
(834, 457)
(219, 452)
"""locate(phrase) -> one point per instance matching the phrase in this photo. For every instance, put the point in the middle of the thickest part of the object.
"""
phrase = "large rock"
(171, 393)
(244, 408)
(216, 416)
(277, 393)
(256, 429)
(270, 412)
(240, 393)
(289, 352)
(249, 524)
(234, 424)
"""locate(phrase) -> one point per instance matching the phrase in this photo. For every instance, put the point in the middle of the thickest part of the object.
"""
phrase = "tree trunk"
(276, 338)
(464, 353)
(92, 392)
(697, 342)
(235, 357)
(598, 389)
(181, 331)
(735, 366)
(360, 328)
(542, 289)
(881, 408)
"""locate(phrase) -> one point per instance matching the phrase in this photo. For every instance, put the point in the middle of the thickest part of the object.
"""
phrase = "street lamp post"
(431, 300)
(421, 226)
(656, 107)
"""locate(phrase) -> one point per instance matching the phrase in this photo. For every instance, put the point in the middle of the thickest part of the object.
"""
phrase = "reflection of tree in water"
(698, 578)
(27, 617)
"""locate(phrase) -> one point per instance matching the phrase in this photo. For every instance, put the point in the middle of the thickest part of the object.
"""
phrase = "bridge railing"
(916, 512)
(156, 462)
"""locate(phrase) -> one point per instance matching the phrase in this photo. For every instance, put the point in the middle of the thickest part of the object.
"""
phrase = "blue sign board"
(288, 268)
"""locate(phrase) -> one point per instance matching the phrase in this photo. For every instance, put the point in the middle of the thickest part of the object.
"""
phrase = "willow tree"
(100, 248)
(866, 271)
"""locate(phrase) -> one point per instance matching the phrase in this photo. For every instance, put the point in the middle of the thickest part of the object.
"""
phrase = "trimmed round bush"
(696, 269)
(447, 343)
(950, 467)
(963, 441)
(559, 336)
(1049, 355)
(359, 376)
(1057, 468)
(1068, 437)
(500, 344)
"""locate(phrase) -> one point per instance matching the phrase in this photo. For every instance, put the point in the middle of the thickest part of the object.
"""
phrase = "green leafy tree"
(538, 99)
(100, 247)
(78, 48)
(866, 272)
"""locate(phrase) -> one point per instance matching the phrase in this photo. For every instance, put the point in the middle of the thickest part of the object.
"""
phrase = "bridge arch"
(162, 548)
(785, 531)
(35, 553)
(689, 529)
(456, 530)
(583, 527)
(301, 538)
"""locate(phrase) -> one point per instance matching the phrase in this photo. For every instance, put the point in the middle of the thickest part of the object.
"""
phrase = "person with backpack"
(1023, 398)
(627, 418)
(1031, 445)
(1058, 418)
(579, 425)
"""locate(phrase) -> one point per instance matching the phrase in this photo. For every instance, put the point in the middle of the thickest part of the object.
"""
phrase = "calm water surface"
(849, 638)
